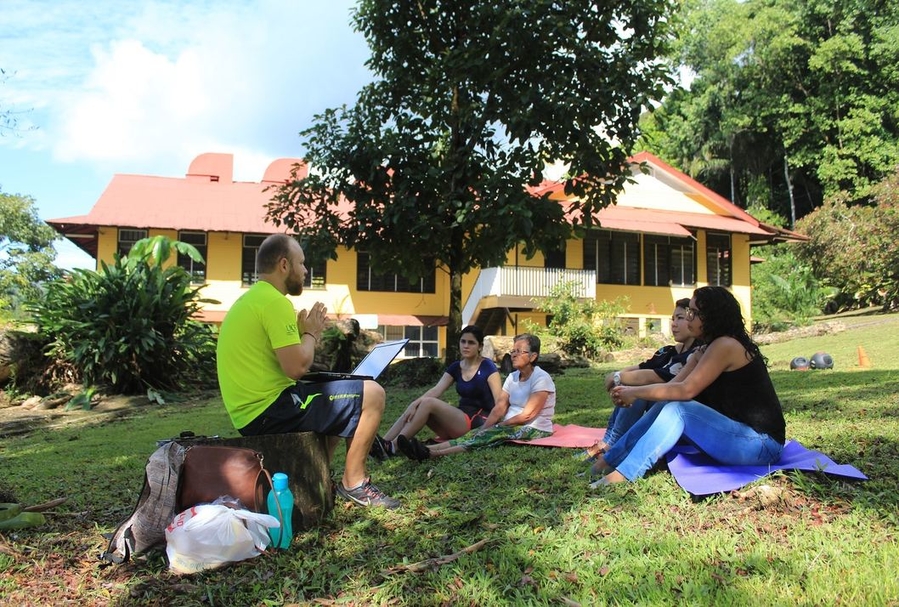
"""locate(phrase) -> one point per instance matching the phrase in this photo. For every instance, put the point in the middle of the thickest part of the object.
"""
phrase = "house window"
(615, 256)
(127, 238)
(196, 269)
(315, 272)
(554, 260)
(422, 340)
(668, 260)
(718, 255)
(248, 272)
(367, 279)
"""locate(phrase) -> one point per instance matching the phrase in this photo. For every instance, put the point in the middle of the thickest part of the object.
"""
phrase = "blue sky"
(145, 86)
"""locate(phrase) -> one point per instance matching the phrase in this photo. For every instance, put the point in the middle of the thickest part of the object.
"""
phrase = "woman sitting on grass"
(478, 384)
(524, 410)
(662, 367)
(723, 401)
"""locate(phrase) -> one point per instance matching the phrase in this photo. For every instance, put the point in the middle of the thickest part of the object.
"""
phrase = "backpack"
(155, 508)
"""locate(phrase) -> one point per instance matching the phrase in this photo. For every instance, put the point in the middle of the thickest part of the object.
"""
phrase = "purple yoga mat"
(701, 475)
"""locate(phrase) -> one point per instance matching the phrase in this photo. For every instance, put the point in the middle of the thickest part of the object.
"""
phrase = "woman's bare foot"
(615, 477)
(611, 478)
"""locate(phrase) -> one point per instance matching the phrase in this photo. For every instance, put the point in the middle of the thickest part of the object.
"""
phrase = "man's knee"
(373, 396)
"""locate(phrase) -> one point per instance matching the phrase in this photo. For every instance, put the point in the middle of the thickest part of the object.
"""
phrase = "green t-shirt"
(250, 376)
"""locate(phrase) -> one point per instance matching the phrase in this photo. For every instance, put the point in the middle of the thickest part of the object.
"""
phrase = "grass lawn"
(546, 538)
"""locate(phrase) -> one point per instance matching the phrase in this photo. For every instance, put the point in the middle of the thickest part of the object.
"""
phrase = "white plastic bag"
(211, 535)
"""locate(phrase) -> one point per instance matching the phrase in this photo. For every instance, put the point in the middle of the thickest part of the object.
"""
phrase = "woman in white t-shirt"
(524, 410)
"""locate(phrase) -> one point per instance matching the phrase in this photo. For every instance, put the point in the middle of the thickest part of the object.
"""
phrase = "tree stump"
(303, 457)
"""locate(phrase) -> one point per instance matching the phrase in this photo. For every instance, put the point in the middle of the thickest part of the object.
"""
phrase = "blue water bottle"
(280, 494)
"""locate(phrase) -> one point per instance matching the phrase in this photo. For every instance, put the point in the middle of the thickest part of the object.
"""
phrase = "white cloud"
(145, 87)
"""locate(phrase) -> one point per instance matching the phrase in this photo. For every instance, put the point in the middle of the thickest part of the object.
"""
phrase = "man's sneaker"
(367, 494)
(380, 450)
(413, 448)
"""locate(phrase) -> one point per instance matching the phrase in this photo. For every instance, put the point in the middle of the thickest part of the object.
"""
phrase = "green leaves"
(26, 251)
(813, 82)
(854, 248)
(469, 102)
(785, 292)
(129, 326)
(583, 327)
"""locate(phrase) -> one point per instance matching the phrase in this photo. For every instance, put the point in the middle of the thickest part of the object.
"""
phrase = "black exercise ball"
(800, 363)
(821, 360)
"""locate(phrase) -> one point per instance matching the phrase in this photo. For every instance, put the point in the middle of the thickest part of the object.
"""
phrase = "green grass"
(549, 539)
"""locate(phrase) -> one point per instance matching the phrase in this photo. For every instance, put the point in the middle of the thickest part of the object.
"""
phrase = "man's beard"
(293, 284)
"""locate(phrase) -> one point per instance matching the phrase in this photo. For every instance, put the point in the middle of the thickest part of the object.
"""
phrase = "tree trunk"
(790, 190)
(20, 353)
(454, 325)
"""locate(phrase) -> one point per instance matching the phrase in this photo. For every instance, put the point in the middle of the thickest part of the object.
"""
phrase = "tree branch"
(436, 561)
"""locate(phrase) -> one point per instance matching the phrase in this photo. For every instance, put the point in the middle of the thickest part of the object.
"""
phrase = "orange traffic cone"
(863, 361)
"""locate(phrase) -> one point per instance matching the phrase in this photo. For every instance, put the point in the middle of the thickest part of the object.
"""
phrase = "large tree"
(470, 100)
(790, 101)
(26, 251)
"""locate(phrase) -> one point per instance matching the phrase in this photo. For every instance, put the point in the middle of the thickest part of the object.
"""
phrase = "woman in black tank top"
(723, 401)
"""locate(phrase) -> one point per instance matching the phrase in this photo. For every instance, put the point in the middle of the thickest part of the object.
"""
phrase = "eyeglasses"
(690, 313)
(518, 352)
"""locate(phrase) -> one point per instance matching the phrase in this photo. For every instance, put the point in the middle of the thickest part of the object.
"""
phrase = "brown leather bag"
(213, 471)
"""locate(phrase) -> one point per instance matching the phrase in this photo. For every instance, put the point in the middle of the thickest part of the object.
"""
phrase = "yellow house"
(667, 235)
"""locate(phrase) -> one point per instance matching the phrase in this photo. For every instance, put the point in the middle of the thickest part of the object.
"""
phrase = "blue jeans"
(623, 418)
(722, 438)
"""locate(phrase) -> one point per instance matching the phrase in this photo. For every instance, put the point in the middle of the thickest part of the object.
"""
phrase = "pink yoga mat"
(571, 436)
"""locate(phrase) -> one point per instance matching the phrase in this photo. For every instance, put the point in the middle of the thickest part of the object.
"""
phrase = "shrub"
(854, 248)
(413, 372)
(785, 292)
(583, 327)
(129, 327)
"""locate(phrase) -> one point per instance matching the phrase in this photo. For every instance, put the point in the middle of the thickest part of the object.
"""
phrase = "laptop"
(369, 367)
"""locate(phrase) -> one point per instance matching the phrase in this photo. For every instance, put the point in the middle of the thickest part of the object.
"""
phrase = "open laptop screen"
(380, 356)
(369, 367)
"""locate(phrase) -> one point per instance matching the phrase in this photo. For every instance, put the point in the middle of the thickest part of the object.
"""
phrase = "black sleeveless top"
(747, 396)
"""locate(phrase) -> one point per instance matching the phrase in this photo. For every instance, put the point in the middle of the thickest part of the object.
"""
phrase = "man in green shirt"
(265, 348)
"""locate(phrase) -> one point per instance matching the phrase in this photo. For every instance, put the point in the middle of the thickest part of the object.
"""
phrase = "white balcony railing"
(526, 282)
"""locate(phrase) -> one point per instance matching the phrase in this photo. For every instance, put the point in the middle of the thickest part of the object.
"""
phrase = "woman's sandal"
(589, 455)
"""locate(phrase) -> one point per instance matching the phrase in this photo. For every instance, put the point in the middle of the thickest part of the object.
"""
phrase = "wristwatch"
(616, 378)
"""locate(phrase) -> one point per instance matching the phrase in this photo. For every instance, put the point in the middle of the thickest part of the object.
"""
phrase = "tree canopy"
(787, 98)
(469, 103)
(26, 251)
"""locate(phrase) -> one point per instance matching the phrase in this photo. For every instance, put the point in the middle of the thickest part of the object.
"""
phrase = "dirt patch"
(821, 328)
(24, 418)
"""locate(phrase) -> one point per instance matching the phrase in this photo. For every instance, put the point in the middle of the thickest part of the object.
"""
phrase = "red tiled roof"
(725, 216)
(207, 199)
(139, 201)
(652, 217)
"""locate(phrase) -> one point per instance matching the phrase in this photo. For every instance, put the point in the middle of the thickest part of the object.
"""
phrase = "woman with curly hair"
(722, 401)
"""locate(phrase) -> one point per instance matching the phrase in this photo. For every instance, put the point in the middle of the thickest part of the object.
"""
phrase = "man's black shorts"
(330, 408)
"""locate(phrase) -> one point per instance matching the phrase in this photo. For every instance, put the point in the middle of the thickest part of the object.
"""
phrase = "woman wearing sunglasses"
(723, 401)
(523, 411)
(478, 385)
(664, 365)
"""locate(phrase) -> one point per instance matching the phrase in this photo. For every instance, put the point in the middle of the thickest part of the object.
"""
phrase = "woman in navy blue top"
(477, 383)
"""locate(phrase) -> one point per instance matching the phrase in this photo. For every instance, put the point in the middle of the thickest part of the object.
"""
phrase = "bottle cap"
(279, 481)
